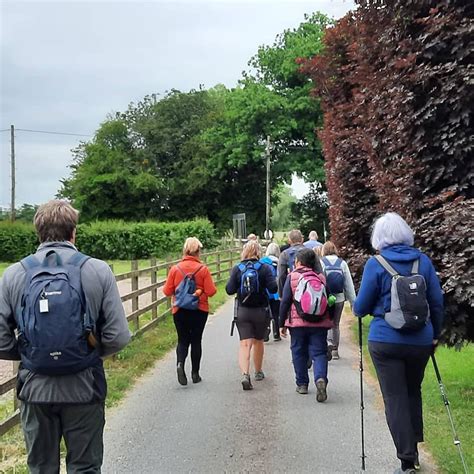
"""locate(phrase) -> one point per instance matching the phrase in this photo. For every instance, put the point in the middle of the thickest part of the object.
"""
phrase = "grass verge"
(122, 372)
(457, 373)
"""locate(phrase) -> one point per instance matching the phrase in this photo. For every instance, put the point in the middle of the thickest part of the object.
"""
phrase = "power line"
(52, 133)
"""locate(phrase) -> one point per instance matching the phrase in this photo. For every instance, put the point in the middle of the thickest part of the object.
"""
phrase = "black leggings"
(400, 369)
(190, 326)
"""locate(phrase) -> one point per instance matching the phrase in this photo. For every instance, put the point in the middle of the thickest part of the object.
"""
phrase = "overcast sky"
(65, 65)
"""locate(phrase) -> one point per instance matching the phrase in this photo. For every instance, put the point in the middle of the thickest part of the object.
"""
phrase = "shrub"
(396, 86)
(113, 239)
(17, 240)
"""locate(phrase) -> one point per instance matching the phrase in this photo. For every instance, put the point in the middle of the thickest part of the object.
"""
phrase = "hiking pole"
(361, 370)
(450, 416)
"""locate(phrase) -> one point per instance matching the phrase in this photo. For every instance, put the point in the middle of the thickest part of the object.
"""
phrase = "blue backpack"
(274, 268)
(53, 321)
(249, 283)
(334, 276)
(184, 297)
(291, 252)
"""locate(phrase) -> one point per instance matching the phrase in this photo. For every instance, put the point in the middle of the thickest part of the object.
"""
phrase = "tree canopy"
(200, 153)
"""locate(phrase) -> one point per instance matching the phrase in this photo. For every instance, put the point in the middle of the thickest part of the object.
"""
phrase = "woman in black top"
(252, 308)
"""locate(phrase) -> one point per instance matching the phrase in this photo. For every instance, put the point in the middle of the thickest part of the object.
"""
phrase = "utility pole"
(12, 144)
(267, 213)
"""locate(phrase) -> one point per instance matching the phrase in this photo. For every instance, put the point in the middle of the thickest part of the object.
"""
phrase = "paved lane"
(215, 426)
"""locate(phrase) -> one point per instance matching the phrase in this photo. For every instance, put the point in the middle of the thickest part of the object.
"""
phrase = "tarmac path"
(214, 426)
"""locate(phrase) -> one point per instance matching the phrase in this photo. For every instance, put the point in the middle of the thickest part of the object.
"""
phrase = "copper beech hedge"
(396, 82)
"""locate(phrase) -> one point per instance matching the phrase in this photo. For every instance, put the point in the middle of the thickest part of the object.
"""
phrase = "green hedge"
(113, 239)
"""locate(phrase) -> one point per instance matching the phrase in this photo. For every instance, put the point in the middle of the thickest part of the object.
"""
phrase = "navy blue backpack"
(249, 292)
(184, 297)
(334, 276)
(291, 252)
(53, 321)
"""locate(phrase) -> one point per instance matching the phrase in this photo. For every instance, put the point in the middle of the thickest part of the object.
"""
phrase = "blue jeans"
(311, 343)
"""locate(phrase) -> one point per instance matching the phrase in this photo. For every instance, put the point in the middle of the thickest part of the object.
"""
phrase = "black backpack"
(409, 309)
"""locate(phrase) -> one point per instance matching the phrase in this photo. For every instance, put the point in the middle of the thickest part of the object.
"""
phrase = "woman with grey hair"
(401, 290)
(272, 255)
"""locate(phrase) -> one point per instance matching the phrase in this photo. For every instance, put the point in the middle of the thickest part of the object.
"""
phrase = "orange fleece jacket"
(203, 279)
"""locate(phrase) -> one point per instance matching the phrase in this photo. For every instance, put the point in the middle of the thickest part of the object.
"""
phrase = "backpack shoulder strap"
(199, 268)
(181, 270)
(78, 259)
(257, 266)
(416, 267)
(30, 262)
(338, 262)
(386, 265)
(242, 266)
(326, 262)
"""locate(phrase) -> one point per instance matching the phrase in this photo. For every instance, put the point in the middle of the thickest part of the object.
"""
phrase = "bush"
(395, 81)
(113, 239)
(16, 241)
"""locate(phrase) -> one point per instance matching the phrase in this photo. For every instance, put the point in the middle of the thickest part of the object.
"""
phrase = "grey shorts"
(252, 322)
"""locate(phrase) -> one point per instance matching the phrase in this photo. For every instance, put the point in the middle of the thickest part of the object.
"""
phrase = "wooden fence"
(142, 318)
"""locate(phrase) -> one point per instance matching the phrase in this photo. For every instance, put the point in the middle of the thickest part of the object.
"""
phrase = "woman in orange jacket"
(190, 319)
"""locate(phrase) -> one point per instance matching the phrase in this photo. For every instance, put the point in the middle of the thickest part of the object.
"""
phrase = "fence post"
(218, 265)
(134, 268)
(154, 292)
(168, 268)
(16, 403)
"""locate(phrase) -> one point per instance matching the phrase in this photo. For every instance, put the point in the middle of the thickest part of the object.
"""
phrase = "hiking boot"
(276, 337)
(309, 363)
(246, 383)
(196, 377)
(181, 374)
(302, 389)
(335, 354)
(259, 376)
(329, 352)
(321, 394)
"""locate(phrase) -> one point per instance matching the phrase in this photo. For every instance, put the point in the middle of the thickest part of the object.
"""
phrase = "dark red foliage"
(396, 81)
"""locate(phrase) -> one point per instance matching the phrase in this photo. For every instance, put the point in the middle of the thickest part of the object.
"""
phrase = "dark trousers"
(275, 311)
(309, 343)
(400, 370)
(81, 426)
(190, 326)
(334, 333)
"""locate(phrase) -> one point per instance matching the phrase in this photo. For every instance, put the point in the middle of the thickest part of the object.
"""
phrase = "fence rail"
(142, 317)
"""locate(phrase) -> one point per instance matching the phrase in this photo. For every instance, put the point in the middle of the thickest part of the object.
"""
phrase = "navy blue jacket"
(374, 296)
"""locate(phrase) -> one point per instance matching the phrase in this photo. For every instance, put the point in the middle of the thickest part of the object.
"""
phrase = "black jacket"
(266, 281)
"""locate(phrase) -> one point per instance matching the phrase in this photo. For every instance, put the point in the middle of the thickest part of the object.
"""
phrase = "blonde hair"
(273, 249)
(55, 221)
(251, 250)
(252, 237)
(192, 246)
(318, 250)
(329, 249)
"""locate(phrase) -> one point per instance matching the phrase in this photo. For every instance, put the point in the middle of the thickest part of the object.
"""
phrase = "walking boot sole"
(321, 393)
(182, 379)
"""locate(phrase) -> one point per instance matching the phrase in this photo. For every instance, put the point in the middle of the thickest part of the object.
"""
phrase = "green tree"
(283, 217)
(111, 177)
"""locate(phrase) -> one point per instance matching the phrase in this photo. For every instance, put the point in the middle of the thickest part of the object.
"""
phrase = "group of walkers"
(298, 289)
(301, 289)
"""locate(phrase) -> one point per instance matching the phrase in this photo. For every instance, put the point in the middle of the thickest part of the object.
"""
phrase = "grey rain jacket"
(105, 306)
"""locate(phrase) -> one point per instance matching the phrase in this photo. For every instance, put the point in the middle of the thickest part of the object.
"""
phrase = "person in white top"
(339, 283)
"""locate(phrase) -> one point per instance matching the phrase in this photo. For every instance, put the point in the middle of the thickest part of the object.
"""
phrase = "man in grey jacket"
(286, 262)
(69, 406)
